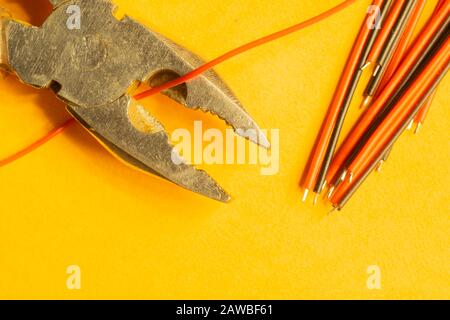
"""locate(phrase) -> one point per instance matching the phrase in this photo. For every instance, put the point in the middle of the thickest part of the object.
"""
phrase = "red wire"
(244, 48)
(37, 143)
(191, 75)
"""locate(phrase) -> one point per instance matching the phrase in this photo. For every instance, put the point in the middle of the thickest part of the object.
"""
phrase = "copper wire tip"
(350, 177)
(368, 63)
(419, 126)
(316, 198)
(344, 175)
(380, 166)
(305, 195)
(377, 69)
(324, 185)
(330, 192)
(366, 102)
(410, 125)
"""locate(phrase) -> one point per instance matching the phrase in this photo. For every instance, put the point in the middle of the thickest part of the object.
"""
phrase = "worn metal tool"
(94, 69)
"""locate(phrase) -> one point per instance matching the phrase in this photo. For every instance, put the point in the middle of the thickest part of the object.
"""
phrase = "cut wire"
(354, 72)
(245, 48)
(37, 143)
(389, 47)
(404, 44)
(386, 5)
(341, 201)
(432, 32)
(402, 111)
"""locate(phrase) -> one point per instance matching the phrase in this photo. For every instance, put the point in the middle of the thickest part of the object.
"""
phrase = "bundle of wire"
(405, 75)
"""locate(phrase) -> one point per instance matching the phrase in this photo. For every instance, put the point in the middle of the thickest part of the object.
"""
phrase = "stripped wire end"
(380, 166)
(343, 175)
(316, 198)
(305, 195)
(410, 125)
(331, 192)
(418, 127)
(366, 102)
(350, 177)
(377, 69)
(366, 65)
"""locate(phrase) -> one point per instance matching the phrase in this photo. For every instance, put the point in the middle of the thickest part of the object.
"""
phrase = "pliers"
(94, 69)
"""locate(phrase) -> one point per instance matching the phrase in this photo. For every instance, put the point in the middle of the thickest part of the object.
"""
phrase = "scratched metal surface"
(92, 69)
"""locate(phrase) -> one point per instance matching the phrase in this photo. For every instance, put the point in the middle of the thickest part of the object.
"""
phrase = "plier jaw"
(93, 68)
(4, 64)
(147, 148)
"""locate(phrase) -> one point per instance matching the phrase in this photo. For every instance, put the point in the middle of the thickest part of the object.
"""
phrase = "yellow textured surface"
(134, 236)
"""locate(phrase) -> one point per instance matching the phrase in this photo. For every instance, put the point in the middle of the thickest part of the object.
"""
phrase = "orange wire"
(423, 112)
(193, 74)
(244, 48)
(393, 122)
(320, 147)
(405, 42)
(402, 109)
(394, 13)
(420, 44)
(37, 143)
(438, 6)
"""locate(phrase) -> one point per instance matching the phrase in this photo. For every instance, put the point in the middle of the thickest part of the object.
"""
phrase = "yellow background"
(135, 236)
